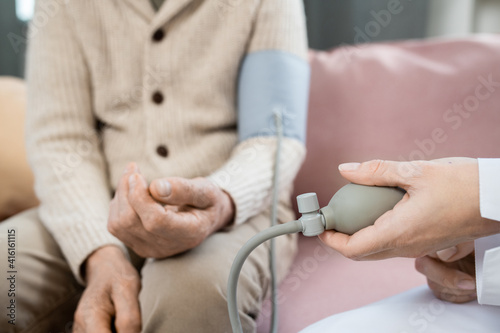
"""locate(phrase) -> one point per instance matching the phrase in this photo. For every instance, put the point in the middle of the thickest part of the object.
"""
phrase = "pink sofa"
(399, 101)
(389, 101)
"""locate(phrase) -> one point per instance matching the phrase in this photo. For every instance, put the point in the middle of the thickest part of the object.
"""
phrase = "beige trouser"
(185, 293)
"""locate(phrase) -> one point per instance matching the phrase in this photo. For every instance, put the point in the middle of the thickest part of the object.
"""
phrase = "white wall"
(487, 16)
(450, 17)
(462, 17)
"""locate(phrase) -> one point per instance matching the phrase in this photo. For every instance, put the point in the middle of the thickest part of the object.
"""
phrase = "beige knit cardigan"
(164, 86)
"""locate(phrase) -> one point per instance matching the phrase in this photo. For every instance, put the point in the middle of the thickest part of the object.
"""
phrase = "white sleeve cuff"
(488, 270)
(489, 187)
(488, 248)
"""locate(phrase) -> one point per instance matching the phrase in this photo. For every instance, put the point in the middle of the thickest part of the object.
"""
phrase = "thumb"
(181, 191)
(380, 173)
(128, 312)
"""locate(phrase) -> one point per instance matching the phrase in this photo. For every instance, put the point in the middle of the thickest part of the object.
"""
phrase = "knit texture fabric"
(162, 85)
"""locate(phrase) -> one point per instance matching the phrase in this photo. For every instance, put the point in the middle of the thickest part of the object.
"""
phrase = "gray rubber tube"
(274, 221)
(232, 285)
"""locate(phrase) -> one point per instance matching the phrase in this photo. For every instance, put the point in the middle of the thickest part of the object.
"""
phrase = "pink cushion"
(394, 101)
(322, 283)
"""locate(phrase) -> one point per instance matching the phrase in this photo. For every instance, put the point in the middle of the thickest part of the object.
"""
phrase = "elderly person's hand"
(170, 216)
(439, 210)
(111, 297)
(451, 273)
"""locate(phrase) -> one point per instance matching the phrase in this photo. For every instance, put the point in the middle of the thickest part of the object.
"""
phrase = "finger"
(113, 210)
(77, 328)
(381, 173)
(456, 252)
(128, 313)
(354, 248)
(125, 213)
(452, 295)
(433, 255)
(452, 298)
(141, 201)
(445, 254)
(185, 219)
(122, 195)
(93, 314)
(180, 191)
(123, 221)
(456, 299)
(123, 182)
(449, 291)
(374, 242)
(444, 276)
(98, 322)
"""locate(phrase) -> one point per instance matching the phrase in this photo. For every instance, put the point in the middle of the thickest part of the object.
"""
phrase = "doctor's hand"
(451, 273)
(439, 210)
(170, 216)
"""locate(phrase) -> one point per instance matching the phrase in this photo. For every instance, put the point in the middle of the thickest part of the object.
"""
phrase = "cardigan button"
(158, 35)
(162, 150)
(157, 97)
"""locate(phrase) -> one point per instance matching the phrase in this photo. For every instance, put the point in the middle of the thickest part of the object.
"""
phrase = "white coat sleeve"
(488, 248)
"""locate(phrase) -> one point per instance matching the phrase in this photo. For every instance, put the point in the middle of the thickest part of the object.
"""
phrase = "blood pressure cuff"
(269, 82)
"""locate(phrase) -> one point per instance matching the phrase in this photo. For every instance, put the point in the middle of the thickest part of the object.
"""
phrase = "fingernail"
(131, 182)
(447, 253)
(131, 167)
(127, 169)
(466, 284)
(163, 188)
(349, 166)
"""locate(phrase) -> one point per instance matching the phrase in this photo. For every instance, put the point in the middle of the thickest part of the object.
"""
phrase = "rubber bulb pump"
(351, 209)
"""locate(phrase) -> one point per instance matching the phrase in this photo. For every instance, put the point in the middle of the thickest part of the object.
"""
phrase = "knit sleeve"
(280, 25)
(274, 77)
(62, 143)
